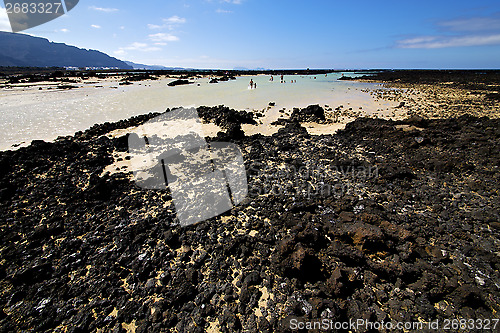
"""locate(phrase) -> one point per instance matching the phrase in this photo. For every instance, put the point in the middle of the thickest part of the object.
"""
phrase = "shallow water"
(28, 113)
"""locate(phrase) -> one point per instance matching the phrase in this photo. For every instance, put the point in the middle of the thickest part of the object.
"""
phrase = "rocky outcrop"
(223, 116)
(179, 82)
(368, 223)
(312, 113)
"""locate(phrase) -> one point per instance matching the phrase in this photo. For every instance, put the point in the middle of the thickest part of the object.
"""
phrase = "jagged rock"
(399, 235)
(312, 113)
(179, 83)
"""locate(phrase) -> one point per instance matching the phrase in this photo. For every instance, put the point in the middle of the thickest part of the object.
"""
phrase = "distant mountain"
(250, 69)
(28, 51)
(152, 67)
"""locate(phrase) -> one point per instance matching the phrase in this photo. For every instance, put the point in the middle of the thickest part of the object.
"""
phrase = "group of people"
(253, 85)
(284, 81)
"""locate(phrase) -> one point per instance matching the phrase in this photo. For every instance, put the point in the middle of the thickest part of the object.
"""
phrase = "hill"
(29, 51)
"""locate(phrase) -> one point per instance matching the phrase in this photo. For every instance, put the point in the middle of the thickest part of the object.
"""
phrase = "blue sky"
(285, 34)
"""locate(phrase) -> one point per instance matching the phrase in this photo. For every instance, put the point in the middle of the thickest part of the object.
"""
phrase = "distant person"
(255, 85)
(251, 83)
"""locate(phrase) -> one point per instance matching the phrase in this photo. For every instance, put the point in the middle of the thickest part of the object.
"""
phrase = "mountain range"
(28, 51)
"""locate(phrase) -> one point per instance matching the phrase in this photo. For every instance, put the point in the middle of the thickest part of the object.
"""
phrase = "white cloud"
(175, 20)
(169, 23)
(437, 42)
(95, 26)
(417, 40)
(203, 61)
(464, 32)
(163, 37)
(155, 26)
(223, 11)
(4, 21)
(105, 10)
(472, 24)
(62, 30)
(136, 46)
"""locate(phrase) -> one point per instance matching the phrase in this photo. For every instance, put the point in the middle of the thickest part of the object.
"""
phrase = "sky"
(278, 34)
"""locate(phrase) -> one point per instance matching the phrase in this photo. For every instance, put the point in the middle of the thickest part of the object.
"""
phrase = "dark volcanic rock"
(179, 83)
(224, 116)
(346, 78)
(224, 78)
(367, 223)
(312, 113)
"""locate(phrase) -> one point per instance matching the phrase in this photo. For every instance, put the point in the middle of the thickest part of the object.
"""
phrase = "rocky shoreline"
(440, 93)
(383, 221)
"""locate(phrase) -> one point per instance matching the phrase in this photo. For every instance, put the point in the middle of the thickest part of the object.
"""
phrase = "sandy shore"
(393, 221)
(28, 113)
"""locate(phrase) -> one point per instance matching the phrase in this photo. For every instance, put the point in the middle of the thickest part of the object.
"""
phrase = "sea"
(29, 113)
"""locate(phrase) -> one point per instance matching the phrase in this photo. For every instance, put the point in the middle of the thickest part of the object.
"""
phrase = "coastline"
(427, 94)
(406, 231)
(47, 114)
(441, 94)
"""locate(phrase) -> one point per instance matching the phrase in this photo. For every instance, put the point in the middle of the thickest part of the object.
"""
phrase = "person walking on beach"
(251, 83)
